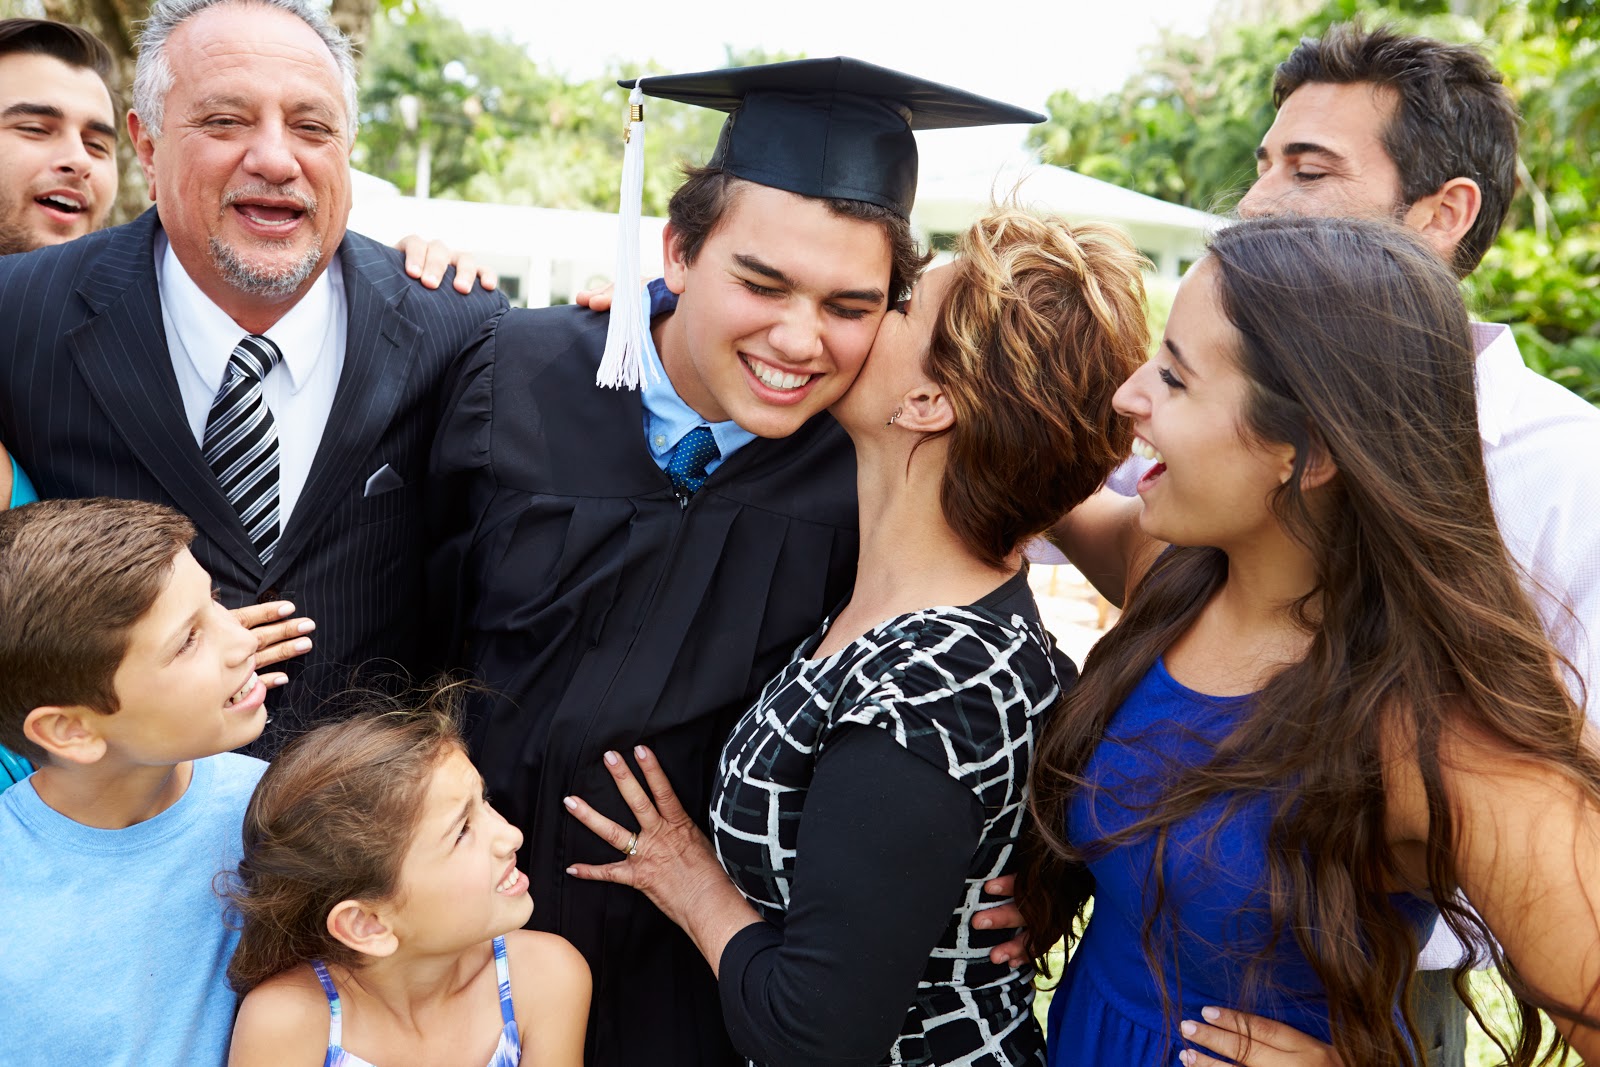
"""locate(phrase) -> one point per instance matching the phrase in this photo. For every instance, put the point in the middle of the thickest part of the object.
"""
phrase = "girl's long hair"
(1357, 348)
(332, 820)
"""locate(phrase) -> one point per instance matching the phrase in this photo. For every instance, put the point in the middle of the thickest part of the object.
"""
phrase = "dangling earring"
(896, 415)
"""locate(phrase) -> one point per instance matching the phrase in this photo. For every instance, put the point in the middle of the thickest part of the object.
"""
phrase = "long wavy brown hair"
(1356, 346)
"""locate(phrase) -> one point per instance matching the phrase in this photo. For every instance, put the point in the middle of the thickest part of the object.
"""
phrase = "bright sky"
(1019, 51)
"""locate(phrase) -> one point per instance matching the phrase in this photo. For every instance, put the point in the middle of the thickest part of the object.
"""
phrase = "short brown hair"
(75, 575)
(331, 820)
(72, 45)
(1453, 117)
(708, 192)
(1041, 324)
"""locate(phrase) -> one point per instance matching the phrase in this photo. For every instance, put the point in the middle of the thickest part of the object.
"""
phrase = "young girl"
(383, 908)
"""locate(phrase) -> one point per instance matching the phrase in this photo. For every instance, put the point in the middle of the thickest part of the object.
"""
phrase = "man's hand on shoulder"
(427, 261)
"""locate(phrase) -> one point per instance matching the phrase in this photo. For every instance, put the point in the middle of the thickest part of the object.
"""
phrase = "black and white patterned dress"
(962, 689)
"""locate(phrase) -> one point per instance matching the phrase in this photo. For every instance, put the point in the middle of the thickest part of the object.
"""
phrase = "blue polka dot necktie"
(687, 467)
(241, 442)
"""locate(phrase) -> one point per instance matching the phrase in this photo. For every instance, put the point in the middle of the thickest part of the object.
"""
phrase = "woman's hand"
(278, 637)
(668, 860)
(1252, 1041)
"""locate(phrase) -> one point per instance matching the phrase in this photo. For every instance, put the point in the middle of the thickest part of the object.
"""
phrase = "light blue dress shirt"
(667, 418)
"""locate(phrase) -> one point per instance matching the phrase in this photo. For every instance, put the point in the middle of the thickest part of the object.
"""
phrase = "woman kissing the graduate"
(878, 782)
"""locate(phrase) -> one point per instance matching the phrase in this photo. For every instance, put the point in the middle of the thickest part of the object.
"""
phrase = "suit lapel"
(122, 354)
(380, 344)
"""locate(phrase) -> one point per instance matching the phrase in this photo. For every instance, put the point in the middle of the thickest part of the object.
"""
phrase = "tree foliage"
(503, 129)
(1185, 127)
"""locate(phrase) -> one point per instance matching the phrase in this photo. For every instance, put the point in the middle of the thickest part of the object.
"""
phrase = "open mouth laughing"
(245, 691)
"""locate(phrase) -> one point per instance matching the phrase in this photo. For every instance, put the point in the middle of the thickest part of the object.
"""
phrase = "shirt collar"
(209, 335)
(1499, 374)
(668, 418)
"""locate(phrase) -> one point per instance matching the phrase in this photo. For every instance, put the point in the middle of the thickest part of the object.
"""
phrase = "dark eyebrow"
(43, 111)
(50, 111)
(755, 266)
(1188, 368)
(1303, 148)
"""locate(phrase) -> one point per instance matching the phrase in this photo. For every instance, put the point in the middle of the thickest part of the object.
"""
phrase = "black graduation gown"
(602, 614)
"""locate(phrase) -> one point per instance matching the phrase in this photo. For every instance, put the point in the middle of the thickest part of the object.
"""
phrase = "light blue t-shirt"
(114, 949)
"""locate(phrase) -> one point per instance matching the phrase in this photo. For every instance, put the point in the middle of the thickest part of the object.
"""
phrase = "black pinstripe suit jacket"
(89, 405)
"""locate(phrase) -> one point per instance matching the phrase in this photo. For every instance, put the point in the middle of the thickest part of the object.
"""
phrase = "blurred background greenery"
(499, 127)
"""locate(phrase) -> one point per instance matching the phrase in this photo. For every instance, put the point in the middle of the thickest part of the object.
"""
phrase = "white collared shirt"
(1539, 440)
(299, 392)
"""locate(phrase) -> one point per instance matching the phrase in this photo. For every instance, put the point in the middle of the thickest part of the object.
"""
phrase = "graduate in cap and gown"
(629, 567)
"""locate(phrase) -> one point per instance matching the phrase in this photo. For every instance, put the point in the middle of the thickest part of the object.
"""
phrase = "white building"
(545, 255)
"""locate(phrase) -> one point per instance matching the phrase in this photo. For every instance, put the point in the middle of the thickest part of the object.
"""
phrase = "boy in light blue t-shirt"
(127, 685)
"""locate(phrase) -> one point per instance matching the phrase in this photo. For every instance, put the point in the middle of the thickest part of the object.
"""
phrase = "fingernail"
(303, 644)
(431, 279)
(307, 626)
(572, 871)
(640, 752)
(1211, 1014)
(285, 609)
(572, 805)
(612, 759)
(981, 922)
(1188, 1028)
(1185, 1056)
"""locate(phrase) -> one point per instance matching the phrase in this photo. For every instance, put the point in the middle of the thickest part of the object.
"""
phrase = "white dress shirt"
(299, 391)
(1537, 440)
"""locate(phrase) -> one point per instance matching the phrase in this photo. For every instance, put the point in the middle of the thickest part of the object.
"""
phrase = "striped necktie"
(241, 442)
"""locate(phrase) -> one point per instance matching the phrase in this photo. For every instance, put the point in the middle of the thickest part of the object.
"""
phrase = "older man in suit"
(207, 357)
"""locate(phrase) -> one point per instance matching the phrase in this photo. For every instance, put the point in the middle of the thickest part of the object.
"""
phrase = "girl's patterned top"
(963, 688)
(508, 1053)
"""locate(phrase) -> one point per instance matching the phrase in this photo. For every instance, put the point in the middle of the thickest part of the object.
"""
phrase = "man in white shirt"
(237, 354)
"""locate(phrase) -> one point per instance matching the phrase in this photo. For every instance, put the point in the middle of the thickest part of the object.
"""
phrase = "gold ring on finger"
(632, 847)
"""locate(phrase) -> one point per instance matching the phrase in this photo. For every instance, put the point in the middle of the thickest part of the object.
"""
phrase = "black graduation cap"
(834, 128)
(829, 127)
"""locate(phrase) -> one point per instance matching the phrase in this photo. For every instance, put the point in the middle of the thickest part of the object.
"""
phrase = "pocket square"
(383, 480)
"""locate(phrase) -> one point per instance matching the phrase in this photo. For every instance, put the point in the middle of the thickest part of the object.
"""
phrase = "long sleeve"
(883, 852)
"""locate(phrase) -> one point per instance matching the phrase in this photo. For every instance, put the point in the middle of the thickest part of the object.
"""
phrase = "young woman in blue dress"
(1329, 711)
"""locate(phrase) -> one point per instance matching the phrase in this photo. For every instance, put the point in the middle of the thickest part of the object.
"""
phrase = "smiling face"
(459, 882)
(777, 311)
(58, 148)
(186, 687)
(897, 363)
(1212, 486)
(250, 171)
(1324, 156)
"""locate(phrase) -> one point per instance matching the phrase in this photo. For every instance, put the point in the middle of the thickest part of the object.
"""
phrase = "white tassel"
(621, 364)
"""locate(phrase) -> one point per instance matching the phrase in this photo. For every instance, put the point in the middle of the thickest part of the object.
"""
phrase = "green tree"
(1185, 126)
(499, 128)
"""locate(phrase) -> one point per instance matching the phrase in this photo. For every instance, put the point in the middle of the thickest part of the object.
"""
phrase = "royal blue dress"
(1109, 1008)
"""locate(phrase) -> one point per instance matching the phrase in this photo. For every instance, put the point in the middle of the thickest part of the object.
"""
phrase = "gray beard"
(256, 281)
